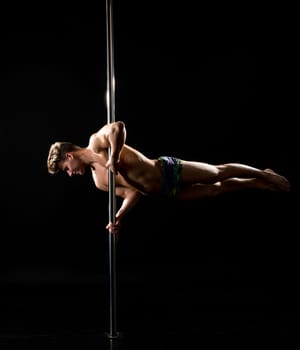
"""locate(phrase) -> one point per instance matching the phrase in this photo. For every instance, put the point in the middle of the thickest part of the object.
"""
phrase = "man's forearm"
(128, 203)
(116, 138)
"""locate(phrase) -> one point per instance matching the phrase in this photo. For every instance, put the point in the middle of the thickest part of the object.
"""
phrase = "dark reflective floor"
(173, 313)
(234, 286)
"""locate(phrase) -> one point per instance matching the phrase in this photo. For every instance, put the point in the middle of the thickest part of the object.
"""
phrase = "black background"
(214, 83)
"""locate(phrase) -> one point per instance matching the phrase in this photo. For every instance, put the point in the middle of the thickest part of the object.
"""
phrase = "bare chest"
(100, 177)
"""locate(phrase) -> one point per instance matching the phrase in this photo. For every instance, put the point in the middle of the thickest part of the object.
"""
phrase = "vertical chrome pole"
(110, 100)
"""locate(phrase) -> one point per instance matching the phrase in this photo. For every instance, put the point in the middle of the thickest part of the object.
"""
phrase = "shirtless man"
(136, 175)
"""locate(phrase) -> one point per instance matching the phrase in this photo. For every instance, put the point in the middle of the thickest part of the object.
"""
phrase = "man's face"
(72, 165)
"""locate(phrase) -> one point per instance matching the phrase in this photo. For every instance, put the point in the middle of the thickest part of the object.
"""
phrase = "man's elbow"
(121, 129)
(120, 125)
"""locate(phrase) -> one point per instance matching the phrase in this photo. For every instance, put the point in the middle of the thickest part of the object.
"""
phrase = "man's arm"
(130, 198)
(113, 136)
(116, 137)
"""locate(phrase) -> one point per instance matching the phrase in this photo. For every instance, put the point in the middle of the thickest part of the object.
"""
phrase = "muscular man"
(136, 175)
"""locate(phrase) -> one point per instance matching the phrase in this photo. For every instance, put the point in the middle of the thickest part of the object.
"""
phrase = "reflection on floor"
(158, 308)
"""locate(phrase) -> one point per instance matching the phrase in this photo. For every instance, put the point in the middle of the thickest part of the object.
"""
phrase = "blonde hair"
(57, 153)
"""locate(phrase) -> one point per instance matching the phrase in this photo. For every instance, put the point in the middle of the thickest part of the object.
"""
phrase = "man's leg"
(199, 172)
(198, 191)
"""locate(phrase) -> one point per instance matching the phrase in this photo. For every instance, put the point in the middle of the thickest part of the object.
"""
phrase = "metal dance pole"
(110, 100)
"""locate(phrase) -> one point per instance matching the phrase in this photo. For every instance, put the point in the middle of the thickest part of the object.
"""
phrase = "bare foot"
(279, 181)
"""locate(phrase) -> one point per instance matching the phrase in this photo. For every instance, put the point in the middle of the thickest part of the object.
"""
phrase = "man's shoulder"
(97, 143)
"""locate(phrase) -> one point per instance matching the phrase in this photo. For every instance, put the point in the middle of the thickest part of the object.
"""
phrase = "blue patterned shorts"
(171, 168)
